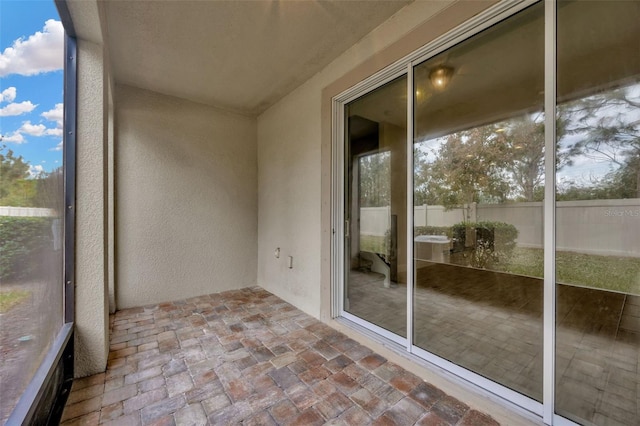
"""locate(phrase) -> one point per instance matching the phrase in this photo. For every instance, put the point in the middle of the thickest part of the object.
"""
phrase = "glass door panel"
(478, 192)
(598, 213)
(375, 207)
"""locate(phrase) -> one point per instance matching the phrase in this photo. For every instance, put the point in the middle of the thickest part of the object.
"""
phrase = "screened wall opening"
(492, 159)
(31, 205)
(37, 200)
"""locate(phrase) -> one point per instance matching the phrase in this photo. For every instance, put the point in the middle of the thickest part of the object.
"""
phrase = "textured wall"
(289, 199)
(91, 304)
(186, 211)
(290, 169)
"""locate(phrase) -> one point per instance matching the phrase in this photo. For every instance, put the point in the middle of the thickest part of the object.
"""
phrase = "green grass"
(605, 272)
(372, 244)
(9, 299)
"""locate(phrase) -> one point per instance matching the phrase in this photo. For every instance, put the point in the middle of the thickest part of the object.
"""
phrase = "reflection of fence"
(606, 227)
(26, 212)
(375, 220)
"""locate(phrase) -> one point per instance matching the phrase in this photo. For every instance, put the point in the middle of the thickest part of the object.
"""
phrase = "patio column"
(91, 289)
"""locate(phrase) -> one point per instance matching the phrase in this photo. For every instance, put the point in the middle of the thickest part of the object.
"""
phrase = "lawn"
(9, 299)
(372, 244)
(606, 272)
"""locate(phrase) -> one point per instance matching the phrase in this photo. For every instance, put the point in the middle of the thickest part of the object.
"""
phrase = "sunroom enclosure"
(514, 262)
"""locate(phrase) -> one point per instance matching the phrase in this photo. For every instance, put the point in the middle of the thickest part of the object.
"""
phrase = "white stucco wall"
(289, 198)
(289, 169)
(186, 211)
(91, 293)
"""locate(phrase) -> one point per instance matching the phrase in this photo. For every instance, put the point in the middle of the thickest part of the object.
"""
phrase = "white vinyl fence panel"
(375, 220)
(26, 212)
(604, 227)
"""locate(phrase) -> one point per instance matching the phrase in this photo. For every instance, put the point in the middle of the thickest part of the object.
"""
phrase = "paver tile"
(119, 394)
(450, 409)
(334, 405)
(81, 408)
(86, 393)
(426, 394)
(111, 412)
(262, 418)
(476, 418)
(309, 417)
(215, 403)
(140, 401)
(85, 420)
(283, 411)
(247, 357)
(191, 415)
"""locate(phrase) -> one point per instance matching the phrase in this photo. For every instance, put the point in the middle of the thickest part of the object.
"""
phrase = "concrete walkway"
(246, 357)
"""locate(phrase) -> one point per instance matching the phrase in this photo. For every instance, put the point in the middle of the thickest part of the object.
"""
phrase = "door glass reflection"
(598, 213)
(478, 194)
(375, 207)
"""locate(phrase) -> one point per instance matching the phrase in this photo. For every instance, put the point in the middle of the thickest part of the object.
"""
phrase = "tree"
(375, 180)
(504, 161)
(15, 187)
(620, 183)
(423, 185)
(468, 168)
(497, 162)
(523, 155)
(608, 135)
(50, 190)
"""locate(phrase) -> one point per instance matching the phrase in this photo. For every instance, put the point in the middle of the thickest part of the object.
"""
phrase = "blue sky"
(31, 81)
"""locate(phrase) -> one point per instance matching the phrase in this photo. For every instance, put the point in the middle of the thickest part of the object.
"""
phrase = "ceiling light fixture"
(440, 76)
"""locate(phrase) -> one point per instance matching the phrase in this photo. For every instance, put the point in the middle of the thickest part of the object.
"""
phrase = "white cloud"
(15, 137)
(8, 94)
(34, 171)
(17, 109)
(27, 128)
(38, 130)
(32, 129)
(40, 52)
(55, 114)
(57, 147)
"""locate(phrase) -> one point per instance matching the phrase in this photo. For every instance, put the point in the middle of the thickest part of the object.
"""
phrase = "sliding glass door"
(489, 206)
(375, 207)
(597, 348)
(478, 175)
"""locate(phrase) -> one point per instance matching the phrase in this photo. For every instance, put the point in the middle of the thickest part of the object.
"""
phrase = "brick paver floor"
(247, 357)
(491, 323)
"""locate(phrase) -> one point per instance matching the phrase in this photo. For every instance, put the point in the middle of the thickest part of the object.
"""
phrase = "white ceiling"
(242, 56)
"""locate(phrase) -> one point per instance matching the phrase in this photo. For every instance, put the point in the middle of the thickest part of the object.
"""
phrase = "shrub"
(20, 240)
(483, 244)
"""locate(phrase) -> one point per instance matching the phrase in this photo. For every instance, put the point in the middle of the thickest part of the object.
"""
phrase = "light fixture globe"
(440, 76)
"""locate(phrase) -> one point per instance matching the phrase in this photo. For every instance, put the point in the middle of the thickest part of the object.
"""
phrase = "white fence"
(605, 227)
(26, 212)
(375, 220)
